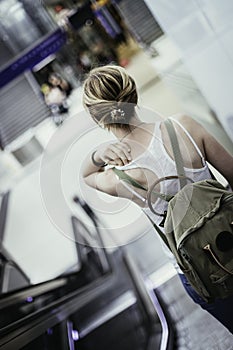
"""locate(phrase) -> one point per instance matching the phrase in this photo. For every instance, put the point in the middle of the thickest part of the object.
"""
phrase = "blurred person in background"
(55, 99)
(57, 81)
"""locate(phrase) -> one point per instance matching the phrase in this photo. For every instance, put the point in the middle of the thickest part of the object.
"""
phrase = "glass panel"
(18, 24)
(36, 252)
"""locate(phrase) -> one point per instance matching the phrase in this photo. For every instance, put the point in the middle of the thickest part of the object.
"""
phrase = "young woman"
(144, 152)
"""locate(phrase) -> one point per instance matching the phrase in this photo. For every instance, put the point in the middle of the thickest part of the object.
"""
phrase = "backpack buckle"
(164, 215)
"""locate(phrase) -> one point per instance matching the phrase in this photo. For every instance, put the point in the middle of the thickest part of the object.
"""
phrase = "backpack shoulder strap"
(176, 152)
(125, 177)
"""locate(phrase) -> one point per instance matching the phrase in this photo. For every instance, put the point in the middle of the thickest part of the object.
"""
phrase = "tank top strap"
(191, 139)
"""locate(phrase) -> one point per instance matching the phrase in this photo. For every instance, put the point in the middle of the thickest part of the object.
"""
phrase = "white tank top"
(157, 160)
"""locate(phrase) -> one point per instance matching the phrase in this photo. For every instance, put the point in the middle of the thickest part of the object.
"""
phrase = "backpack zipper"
(228, 198)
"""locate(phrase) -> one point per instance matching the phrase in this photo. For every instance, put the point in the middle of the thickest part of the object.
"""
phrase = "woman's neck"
(121, 133)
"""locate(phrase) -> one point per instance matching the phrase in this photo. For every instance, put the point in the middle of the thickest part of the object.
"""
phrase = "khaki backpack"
(198, 227)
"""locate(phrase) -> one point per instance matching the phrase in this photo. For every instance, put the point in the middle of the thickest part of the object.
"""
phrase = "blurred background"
(181, 57)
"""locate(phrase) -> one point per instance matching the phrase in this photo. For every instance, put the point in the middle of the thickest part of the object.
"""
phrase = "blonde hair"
(110, 95)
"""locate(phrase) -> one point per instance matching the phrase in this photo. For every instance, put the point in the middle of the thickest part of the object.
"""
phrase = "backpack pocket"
(223, 281)
(188, 268)
(197, 284)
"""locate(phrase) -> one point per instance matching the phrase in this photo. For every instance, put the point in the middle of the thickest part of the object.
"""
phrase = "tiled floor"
(196, 329)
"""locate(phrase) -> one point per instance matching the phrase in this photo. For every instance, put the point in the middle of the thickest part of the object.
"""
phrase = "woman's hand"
(118, 153)
(94, 174)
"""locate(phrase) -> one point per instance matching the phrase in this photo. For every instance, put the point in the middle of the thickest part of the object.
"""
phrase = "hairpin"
(117, 112)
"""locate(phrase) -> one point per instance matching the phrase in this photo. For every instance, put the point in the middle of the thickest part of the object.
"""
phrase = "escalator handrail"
(75, 299)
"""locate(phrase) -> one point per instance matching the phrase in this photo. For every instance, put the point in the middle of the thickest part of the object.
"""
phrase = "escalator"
(105, 304)
(115, 311)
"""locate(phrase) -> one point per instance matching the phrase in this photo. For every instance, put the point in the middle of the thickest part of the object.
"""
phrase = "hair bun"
(117, 114)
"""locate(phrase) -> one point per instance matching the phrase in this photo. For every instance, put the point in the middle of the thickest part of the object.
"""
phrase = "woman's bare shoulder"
(190, 124)
(187, 120)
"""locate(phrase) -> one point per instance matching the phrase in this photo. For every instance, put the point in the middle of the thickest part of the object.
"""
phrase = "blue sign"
(107, 22)
(28, 60)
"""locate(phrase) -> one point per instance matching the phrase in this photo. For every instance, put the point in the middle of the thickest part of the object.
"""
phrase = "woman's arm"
(218, 156)
(214, 152)
(94, 172)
